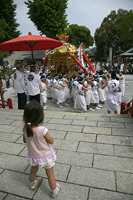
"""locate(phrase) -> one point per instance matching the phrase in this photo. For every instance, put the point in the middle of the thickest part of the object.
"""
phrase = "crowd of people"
(125, 67)
(87, 92)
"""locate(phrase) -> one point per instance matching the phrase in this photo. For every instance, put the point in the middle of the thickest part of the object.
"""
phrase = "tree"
(48, 16)
(125, 31)
(7, 18)
(8, 25)
(4, 30)
(107, 35)
(79, 34)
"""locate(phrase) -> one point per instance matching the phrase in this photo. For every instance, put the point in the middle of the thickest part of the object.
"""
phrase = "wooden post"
(1, 91)
(123, 106)
(132, 108)
(10, 103)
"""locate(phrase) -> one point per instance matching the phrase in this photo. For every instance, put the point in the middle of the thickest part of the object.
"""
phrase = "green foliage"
(110, 33)
(9, 72)
(125, 31)
(79, 34)
(4, 54)
(91, 53)
(8, 25)
(48, 16)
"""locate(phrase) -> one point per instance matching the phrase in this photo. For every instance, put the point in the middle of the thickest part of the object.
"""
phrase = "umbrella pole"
(32, 56)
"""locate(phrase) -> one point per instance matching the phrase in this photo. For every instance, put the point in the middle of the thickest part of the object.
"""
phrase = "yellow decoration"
(63, 37)
(62, 61)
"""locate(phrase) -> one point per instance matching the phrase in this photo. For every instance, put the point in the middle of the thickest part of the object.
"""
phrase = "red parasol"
(29, 43)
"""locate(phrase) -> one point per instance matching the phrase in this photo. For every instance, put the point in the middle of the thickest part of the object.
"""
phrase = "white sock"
(34, 182)
(55, 192)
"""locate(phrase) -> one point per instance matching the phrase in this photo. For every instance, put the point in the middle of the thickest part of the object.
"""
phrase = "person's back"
(111, 97)
(17, 84)
(37, 145)
(33, 84)
(113, 86)
(20, 86)
(40, 153)
(121, 67)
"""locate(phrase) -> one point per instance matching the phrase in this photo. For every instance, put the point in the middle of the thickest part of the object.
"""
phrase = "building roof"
(128, 53)
(23, 57)
(37, 54)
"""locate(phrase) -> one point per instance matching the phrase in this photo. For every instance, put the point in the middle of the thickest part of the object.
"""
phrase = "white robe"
(122, 83)
(43, 93)
(80, 102)
(101, 91)
(95, 92)
(66, 91)
(52, 88)
(61, 93)
(89, 97)
(49, 86)
(56, 91)
(111, 97)
(74, 89)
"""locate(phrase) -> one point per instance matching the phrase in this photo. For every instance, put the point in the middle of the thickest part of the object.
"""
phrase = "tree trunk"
(1, 61)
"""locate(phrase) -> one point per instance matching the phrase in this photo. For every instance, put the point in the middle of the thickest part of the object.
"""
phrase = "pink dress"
(40, 153)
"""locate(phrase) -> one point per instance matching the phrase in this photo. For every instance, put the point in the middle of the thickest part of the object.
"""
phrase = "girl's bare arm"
(48, 138)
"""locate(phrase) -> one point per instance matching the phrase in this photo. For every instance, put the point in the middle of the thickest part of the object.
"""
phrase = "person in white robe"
(95, 92)
(53, 80)
(48, 83)
(66, 89)
(56, 89)
(89, 97)
(122, 83)
(111, 97)
(121, 67)
(100, 90)
(44, 90)
(61, 94)
(80, 102)
(74, 83)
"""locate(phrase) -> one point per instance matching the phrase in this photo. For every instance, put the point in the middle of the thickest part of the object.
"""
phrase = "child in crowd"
(44, 90)
(40, 153)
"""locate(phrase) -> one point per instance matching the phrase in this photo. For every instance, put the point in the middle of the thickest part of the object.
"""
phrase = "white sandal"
(35, 184)
(55, 195)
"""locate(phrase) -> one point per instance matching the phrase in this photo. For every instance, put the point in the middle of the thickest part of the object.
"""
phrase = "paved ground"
(94, 154)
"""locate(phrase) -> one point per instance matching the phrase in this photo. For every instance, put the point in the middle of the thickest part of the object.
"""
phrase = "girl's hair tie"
(28, 123)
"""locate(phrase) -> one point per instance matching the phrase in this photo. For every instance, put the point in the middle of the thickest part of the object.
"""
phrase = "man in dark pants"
(33, 84)
(20, 86)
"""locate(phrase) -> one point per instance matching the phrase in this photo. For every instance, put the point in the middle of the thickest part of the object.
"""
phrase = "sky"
(89, 13)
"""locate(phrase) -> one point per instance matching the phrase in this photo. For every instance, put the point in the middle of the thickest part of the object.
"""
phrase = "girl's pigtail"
(33, 115)
(29, 130)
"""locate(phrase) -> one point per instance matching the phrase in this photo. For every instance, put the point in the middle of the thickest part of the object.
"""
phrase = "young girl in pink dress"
(40, 153)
